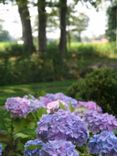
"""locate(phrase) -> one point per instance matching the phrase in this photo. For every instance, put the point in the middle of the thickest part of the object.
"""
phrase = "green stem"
(35, 117)
(12, 131)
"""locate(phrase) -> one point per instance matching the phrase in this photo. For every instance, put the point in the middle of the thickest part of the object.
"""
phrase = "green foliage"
(14, 132)
(87, 50)
(99, 86)
(11, 49)
(37, 67)
(15, 50)
(79, 61)
(77, 24)
(111, 26)
(108, 50)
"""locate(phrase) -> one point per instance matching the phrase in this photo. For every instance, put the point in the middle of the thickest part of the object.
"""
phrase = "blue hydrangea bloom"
(58, 148)
(62, 125)
(32, 147)
(58, 96)
(0, 149)
(98, 122)
(104, 144)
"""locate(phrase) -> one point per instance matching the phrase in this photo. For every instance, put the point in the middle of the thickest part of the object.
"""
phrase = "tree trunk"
(42, 25)
(79, 36)
(63, 33)
(26, 25)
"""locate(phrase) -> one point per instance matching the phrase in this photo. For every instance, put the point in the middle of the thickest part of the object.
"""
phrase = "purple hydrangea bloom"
(98, 122)
(89, 105)
(62, 125)
(22, 106)
(58, 148)
(84, 106)
(0, 150)
(58, 96)
(33, 147)
(104, 144)
(19, 107)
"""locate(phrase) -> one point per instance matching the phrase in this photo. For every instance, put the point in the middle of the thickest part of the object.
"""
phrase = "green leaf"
(62, 106)
(32, 147)
(5, 137)
(72, 109)
(40, 112)
(21, 135)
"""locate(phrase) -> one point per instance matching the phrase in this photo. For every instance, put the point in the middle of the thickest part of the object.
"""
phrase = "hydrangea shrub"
(63, 129)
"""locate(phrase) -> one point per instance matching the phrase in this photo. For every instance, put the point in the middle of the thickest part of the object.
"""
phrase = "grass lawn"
(34, 89)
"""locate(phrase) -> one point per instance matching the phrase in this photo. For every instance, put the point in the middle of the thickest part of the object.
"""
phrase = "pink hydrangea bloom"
(90, 105)
(55, 105)
(84, 106)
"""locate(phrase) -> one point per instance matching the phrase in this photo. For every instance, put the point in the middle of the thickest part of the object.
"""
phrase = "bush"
(33, 68)
(99, 86)
(80, 60)
(87, 50)
(11, 50)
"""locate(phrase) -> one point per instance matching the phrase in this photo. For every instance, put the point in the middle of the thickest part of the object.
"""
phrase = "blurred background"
(48, 45)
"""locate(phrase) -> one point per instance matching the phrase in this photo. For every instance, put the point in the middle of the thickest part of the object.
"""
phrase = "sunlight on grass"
(3, 45)
(105, 49)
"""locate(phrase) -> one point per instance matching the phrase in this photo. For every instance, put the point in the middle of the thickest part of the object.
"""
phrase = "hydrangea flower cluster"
(19, 107)
(32, 147)
(0, 149)
(44, 100)
(84, 106)
(98, 122)
(104, 144)
(51, 148)
(59, 131)
(62, 125)
(58, 148)
(89, 105)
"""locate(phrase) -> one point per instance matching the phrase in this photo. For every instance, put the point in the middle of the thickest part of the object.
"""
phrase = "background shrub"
(11, 50)
(99, 86)
(18, 67)
(33, 68)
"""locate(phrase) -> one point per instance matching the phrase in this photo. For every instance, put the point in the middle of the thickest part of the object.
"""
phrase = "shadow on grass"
(34, 89)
